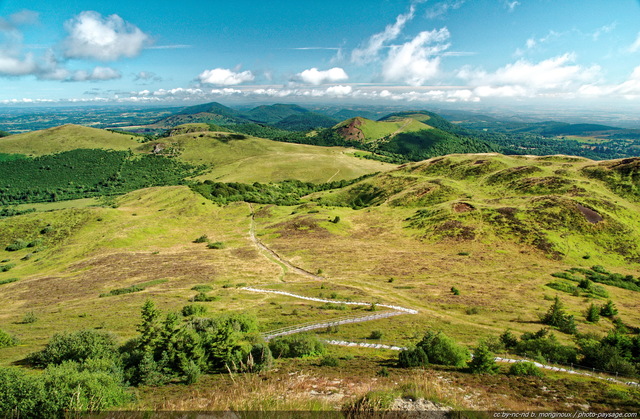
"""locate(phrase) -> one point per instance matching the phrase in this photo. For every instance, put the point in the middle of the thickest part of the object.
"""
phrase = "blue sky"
(359, 51)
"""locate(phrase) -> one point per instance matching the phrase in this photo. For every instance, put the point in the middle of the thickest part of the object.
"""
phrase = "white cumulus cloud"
(12, 65)
(369, 52)
(102, 38)
(418, 60)
(225, 77)
(316, 77)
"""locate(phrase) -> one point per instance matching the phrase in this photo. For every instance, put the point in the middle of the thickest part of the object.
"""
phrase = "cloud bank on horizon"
(364, 51)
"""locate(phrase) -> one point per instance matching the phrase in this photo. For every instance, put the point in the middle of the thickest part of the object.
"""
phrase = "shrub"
(259, 358)
(383, 372)
(194, 310)
(592, 314)
(191, 371)
(442, 350)
(556, 317)
(7, 340)
(8, 281)
(202, 288)
(29, 317)
(483, 361)
(202, 297)
(508, 339)
(609, 309)
(76, 346)
(376, 334)
(74, 387)
(544, 346)
(202, 239)
(216, 245)
(120, 291)
(336, 220)
(455, 291)
(329, 361)
(7, 267)
(413, 357)
(17, 244)
(527, 369)
(296, 346)
(62, 391)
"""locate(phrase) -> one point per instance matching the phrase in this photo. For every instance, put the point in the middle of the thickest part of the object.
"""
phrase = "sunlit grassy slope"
(494, 227)
(234, 158)
(375, 130)
(65, 138)
(228, 157)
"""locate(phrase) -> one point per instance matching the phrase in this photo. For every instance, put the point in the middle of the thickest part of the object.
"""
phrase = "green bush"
(296, 346)
(455, 291)
(527, 369)
(120, 291)
(329, 361)
(29, 317)
(592, 314)
(203, 298)
(74, 387)
(7, 340)
(64, 390)
(17, 244)
(545, 347)
(8, 281)
(194, 310)
(442, 350)
(7, 267)
(202, 288)
(376, 334)
(76, 346)
(259, 359)
(609, 309)
(202, 239)
(413, 357)
(21, 395)
(216, 245)
(556, 317)
(483, 361)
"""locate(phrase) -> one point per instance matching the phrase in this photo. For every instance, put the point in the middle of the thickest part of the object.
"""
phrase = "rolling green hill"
(65, 138)
(407, 135)
(271, 114)
(208, 113)
(366, 130)
(238, 158)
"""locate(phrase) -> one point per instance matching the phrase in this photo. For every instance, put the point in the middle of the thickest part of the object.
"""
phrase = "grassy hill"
(366, 130)
(208, 113)
(65, 138)
(237, 158)
(271, 114)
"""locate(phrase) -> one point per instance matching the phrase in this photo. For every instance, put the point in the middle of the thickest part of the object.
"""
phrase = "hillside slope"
(238, 158)
(65, 138)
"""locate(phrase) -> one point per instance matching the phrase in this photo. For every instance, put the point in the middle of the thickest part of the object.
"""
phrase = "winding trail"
(274, 256)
